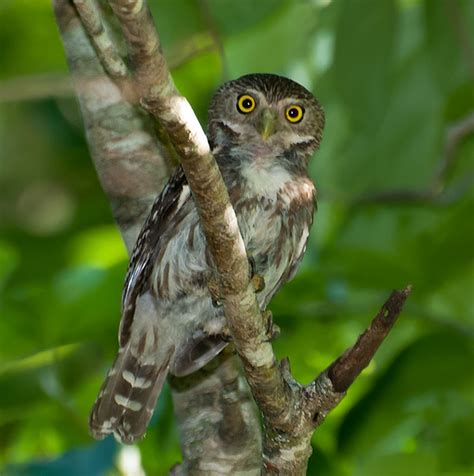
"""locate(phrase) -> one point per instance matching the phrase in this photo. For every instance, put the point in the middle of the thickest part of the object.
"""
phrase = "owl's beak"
(267, 124)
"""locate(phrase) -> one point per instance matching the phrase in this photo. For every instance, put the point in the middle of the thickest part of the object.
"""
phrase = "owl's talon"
(272, 330)
(214, 291)
(225, 334)
(258, 283)
(257, 280)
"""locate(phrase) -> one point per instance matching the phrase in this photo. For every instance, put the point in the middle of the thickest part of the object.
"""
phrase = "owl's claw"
(257, 280)
(214, 291)
(272, 330)
(258, 283)
(225, 335)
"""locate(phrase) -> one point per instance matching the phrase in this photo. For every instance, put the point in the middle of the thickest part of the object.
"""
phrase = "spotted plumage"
(263, 130)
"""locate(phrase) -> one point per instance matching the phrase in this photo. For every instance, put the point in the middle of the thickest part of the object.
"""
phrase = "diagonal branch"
(346, 368)
(310, 404)
(160, 97)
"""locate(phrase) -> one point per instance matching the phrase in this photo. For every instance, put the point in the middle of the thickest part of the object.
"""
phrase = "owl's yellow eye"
(294, 113)
(245, 104)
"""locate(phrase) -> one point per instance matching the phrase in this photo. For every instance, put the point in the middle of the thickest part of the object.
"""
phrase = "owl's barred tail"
(128, 396)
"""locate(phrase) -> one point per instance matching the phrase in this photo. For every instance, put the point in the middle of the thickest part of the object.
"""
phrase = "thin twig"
(454, 135)
(346, 368)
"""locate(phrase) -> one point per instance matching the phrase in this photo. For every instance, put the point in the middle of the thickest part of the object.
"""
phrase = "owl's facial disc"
(264, 115)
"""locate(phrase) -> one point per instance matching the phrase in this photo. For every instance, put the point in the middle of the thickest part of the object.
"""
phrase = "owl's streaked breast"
(274, 211)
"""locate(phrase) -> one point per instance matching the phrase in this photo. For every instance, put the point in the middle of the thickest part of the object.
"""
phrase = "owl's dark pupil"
(293, 112)
(247, 103)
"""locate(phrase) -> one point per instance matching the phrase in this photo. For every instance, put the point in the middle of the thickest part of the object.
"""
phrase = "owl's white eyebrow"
(233, 126)
(297, 139)
(292, 101)
(258, 95)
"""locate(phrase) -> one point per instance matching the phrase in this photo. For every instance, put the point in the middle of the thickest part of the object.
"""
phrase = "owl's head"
(266, 114)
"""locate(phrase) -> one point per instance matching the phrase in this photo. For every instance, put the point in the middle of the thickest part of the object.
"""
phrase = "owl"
(263, 129)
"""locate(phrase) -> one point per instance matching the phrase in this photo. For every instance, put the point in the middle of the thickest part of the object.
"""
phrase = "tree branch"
(458, 23)
(218, 421)
(132, 167)
(36, 86)
(214, 33)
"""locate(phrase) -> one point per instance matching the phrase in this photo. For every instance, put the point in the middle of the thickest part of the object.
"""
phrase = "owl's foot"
(225, 334)
(257, 280)
(272, 330)
(214, 291)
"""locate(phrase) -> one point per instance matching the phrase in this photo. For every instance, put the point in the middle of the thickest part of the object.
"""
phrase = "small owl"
(263, 130)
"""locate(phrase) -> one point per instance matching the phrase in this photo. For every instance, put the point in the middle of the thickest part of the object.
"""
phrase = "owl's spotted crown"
(274, 87)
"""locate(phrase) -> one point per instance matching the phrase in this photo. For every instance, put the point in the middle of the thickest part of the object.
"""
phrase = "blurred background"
(394, 174)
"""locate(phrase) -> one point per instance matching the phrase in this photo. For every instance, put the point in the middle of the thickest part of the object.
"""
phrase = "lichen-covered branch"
(160, 97)
(218, 420)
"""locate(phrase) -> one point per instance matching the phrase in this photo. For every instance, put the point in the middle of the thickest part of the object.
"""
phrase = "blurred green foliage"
(392, 76)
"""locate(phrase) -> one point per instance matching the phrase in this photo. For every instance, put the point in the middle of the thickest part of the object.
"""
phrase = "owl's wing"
(303, 243)
(146, 248)
(306, 219)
